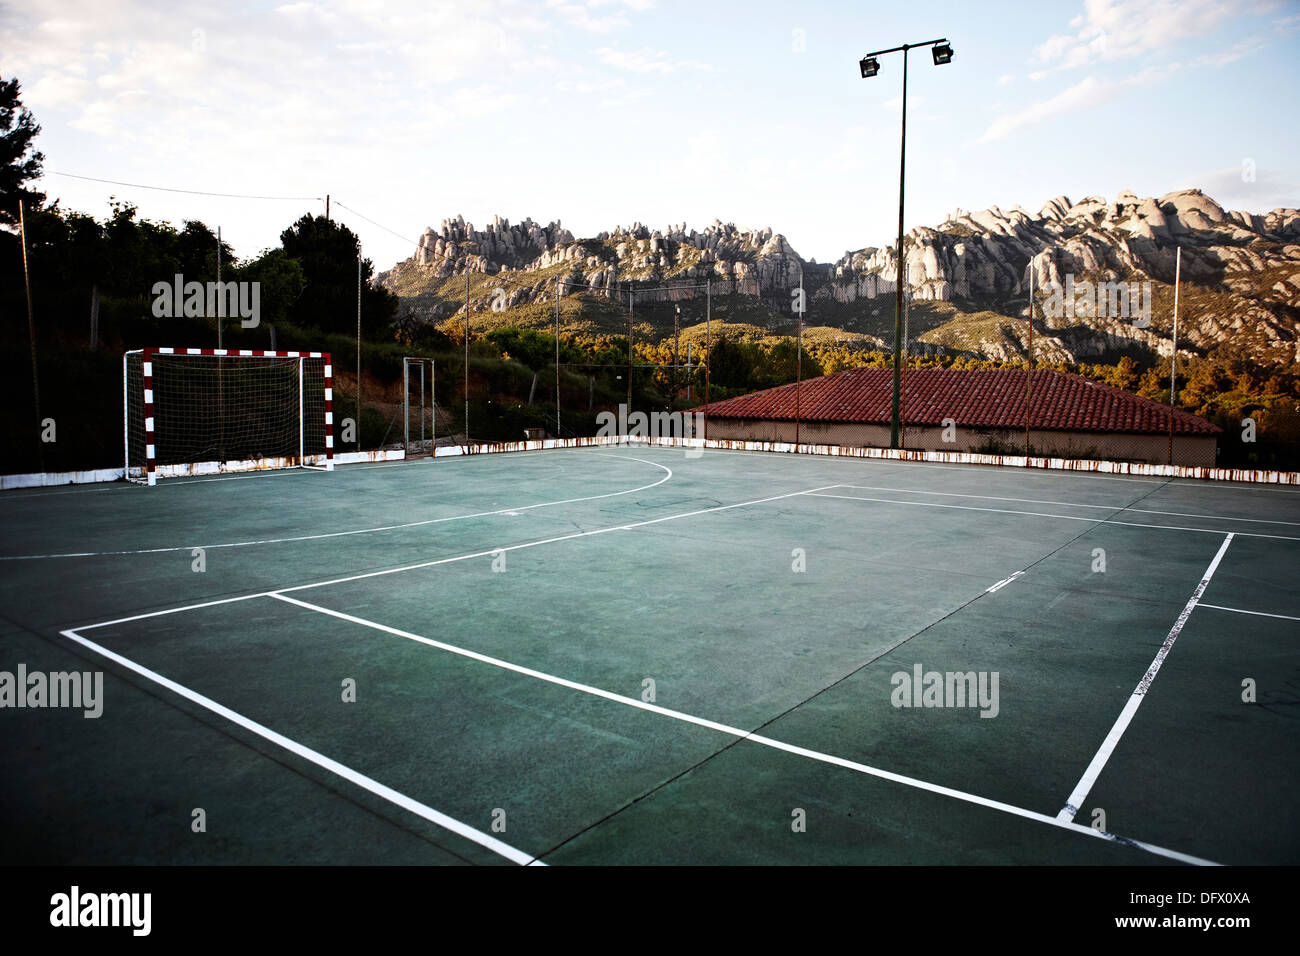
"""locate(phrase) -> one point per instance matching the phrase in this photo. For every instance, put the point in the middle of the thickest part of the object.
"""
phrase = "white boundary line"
(1098, 469)
(742, 734)
(1040, 514)
(1239, 610)
(333, 766)
(1072, 504)
(341, 534)
(1090, 775)
(185, 482)
(1003, 583)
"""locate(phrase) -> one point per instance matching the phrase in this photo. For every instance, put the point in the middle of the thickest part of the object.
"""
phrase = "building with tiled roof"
(969, 410)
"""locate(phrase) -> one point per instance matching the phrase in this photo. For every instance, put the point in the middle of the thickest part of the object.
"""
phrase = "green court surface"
(639, 655)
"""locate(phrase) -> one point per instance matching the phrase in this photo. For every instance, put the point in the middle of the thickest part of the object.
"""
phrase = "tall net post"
(1029, 362)
(1173, 355)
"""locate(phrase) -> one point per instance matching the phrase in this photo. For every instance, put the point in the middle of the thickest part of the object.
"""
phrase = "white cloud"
(1006, 79)
(580, 14)
(1088, 93)
(1232, 54)
(1116, 29)
(645, 60)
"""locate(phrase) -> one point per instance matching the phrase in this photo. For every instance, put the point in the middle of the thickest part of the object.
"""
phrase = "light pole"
(870, 66)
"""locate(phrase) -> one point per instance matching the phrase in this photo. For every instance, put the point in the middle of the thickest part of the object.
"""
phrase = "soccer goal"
(415, 415)
(207, 411)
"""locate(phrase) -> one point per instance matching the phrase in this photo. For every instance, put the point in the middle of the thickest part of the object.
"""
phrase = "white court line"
(1239, 610)
(743, 734)
(1040, 514)
(1003, 583)
(342, 534)
(181, 482)
(429, 564)
(1074, 504)
(333, 766)
(1082, 788)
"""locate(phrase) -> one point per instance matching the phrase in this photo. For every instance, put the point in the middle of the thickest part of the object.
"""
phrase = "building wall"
(1116, 446)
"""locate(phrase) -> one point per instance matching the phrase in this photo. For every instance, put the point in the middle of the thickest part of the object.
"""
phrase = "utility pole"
(631, 311)
(31, 334)
(708, 346)
(221, 365)
(358, 347)
(798, 364)
(689, 368)
(220, 310)
(557, 356)
(677, 337)
(1029, 358)
(467, 353)
(1173, 360)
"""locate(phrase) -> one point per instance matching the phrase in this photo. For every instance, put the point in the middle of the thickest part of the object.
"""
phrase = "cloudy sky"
(605, 112)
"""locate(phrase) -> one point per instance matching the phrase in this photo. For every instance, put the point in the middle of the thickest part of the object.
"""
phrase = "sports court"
(639, 654)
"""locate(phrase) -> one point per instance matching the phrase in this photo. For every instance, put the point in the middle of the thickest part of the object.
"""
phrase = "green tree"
(528, 346)
(19, 161)
(729, 366)
(281, 282)
(327, 253)
(1125, 374)
(196, 252)
(779, 364)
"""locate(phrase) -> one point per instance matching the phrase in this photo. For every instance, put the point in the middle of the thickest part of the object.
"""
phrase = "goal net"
(204, 411)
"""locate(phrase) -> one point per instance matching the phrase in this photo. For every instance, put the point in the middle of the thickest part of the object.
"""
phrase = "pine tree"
(19, 162)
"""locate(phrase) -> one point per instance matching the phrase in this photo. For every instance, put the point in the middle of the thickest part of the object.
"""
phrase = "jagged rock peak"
(499, 245)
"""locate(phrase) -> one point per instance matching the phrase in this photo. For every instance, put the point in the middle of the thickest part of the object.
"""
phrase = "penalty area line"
(742, 734)
(387, 793)
(343, 534)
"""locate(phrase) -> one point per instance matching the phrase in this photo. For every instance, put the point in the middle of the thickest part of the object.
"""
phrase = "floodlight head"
(942, 53)
(870, 66)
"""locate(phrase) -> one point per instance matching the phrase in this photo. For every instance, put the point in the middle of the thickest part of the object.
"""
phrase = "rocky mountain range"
(967, 279)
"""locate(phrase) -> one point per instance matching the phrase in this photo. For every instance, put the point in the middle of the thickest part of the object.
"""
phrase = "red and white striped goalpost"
(149, 468)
